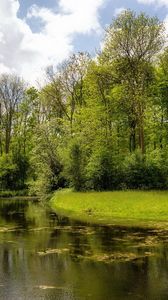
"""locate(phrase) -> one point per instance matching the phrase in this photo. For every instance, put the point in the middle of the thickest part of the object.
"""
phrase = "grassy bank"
(11, 194)
(121, 207)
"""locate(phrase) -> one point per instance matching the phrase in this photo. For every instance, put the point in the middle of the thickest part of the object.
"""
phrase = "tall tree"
(131, 43)
(68, 83)
(12, 90)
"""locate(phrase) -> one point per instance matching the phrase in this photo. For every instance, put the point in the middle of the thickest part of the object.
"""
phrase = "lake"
(46, 256)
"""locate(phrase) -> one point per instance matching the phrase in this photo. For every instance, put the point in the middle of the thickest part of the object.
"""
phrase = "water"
(44, 256)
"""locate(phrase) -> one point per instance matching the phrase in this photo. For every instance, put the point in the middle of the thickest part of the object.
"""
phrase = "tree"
(162, 97)
(67, 85)
(131, 44)
(75, 171)
(12, 90)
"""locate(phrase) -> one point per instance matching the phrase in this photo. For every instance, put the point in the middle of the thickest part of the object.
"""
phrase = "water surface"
(45, 256)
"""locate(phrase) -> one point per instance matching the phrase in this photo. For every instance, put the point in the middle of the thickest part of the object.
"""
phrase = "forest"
(99, 123)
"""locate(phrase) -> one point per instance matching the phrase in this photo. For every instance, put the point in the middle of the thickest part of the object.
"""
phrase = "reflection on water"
(44, 256)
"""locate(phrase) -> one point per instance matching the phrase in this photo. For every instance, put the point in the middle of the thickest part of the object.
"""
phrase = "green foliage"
(98, 124)
(46, 164)
(75, 170)
(13, 172)
(142, 173)
(104, 171)
(127, 31)
(13, 193)
(22, 164)
(8, 172)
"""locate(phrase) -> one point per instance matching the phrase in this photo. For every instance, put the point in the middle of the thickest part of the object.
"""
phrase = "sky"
(35, 34)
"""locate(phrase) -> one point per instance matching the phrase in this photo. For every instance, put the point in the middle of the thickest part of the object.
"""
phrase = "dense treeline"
(98, 123)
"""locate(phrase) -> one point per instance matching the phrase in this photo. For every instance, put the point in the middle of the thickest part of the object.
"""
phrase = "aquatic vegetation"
(52, 251)
(47, 287)
(60, 258)
(120, 257)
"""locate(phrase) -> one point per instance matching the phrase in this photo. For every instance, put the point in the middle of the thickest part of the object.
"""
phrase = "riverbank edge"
(18, 195)
(73, 205)
(12, 194)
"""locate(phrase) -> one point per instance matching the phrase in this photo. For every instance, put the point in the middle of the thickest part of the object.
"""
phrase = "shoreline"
(147, 209)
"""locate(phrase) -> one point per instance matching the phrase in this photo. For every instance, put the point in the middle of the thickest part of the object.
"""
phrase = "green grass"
(121, 207)
(11, 194)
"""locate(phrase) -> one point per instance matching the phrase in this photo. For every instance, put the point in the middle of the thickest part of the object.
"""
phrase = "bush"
(22, 163)
(8, 172)
(46, 181)
(104, 172)
(145, 173)
(75, 168)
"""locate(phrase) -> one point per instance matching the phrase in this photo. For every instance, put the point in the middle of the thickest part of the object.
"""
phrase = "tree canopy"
(99, 123)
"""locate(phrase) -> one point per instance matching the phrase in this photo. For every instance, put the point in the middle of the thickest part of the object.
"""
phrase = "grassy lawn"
(119, 207)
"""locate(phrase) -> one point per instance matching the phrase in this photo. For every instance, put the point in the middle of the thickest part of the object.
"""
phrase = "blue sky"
(92, 42)
(38, 33)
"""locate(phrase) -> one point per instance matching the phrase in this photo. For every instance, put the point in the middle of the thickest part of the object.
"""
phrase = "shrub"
(104, 172)
(145, 173)
(75, 169)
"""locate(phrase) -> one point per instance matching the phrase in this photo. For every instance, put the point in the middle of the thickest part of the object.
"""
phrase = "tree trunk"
(1, 151)
(8, 132)
(141, 139)
(133, 136)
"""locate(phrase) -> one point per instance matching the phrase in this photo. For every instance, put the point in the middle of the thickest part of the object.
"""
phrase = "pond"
(45, 256)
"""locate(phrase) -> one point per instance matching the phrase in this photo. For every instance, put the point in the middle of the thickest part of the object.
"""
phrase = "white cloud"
(28, 53)
(118, 11)
(156, 2)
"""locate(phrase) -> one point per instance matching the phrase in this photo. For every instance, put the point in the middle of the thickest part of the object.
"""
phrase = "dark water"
(44, 256)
